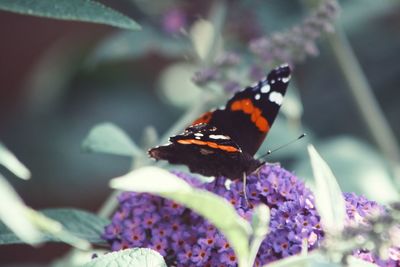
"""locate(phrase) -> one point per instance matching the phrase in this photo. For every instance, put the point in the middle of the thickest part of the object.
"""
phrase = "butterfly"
(222, 142)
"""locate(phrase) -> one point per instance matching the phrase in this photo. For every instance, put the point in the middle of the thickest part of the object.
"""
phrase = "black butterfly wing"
(223, 142)
(206, 150)
(249, 114)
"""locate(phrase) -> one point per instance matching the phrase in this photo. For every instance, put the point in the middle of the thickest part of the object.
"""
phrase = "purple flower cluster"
(359, 209)
(361, 214)
(290, 46)
(218, 72)
(295, 44)
(186, 239)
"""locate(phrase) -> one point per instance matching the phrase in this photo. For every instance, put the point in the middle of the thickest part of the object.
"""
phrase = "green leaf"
(133, 257)
(260, 220)
(202, 35)
(75, 224)
(355, 262)
(77, 258)
(109, 138)
(367, 175)
(293, 108)
(260, 223)
(215, 209)
(79, 10)
(25, 225)
(294, 261)
(329, 199)
(127, 45)
(55, 230)
(8, 160)
(80, 223)
(175, 80)
(13, 213)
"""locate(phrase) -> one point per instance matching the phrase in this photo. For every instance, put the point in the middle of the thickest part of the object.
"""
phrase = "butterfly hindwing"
(206, 150)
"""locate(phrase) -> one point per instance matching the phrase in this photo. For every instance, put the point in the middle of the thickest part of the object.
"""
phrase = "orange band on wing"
(255, 113)
(209, 144)
(205, 118)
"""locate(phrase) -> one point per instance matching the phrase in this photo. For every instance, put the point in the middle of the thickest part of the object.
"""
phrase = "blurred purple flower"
(256, 73)
(359, 209)
(360, 216)
(205, 76)
(227, 59)
(231, 86)
(299, 41)
(186, 239)
(174, 20)
(290, 47)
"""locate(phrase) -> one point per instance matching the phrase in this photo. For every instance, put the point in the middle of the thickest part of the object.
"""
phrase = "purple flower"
(205, 76)
(361, 213)
(186, 239)
(231, 86)
(299, 41)
(256, 72)
(174, 20)
(359, 209)
(227, 59)
(159, 244)
(228, 258)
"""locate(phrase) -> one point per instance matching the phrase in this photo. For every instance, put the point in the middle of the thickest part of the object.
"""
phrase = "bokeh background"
(58, 79)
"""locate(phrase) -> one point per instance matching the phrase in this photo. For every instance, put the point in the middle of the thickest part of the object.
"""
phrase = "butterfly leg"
(215, 182)
(244, 189)
(257, 173)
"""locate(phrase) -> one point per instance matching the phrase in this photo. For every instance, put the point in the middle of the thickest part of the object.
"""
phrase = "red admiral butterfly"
(223, 142)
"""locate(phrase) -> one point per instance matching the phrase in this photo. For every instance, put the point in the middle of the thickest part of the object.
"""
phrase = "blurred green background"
(58, 79)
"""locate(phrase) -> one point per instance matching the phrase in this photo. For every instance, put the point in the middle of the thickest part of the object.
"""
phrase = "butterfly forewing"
(250, 113)
(223, 142)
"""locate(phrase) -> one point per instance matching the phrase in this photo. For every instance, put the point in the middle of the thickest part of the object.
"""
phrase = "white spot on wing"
(206, 151)
(167, 144)
(272, 81)
(286, 79)
(276, 98)
(198, 138)
(283, 66)
(198, 134)
(257, 96)
(265, 89)
(219, 136)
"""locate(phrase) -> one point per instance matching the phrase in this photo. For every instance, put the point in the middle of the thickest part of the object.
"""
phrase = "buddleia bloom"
(370, 222)
(293, 45)
(186, 239)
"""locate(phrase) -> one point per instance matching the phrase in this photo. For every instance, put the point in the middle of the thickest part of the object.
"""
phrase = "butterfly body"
(223, 142)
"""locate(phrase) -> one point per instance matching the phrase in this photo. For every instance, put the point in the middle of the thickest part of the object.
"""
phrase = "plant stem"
(109, 205)
(367, 104)
(217, 18)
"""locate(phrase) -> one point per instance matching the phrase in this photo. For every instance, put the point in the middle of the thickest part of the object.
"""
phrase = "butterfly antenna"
(282, 146)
